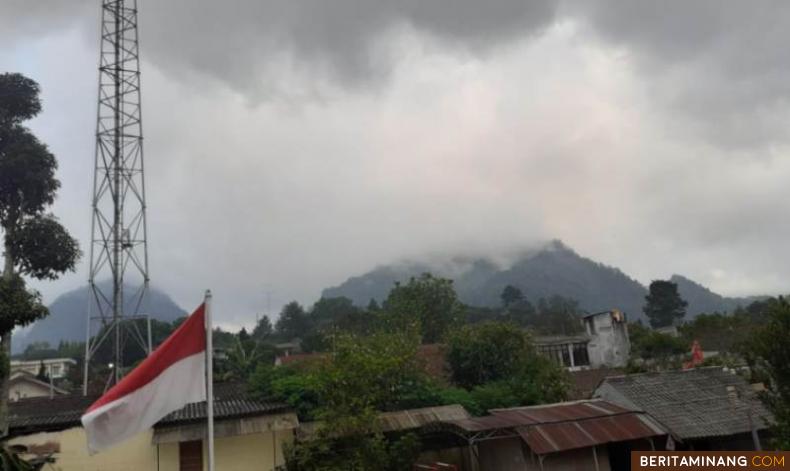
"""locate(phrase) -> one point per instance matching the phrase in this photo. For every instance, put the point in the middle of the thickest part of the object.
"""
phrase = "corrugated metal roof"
(554, 437)
(61, 412)
(416, 418)
(692, 403)
(568, 425)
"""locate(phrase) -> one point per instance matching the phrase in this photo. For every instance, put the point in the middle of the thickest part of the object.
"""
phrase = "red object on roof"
(697, 357)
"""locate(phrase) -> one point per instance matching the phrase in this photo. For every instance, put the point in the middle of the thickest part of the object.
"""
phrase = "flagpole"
(209, 382)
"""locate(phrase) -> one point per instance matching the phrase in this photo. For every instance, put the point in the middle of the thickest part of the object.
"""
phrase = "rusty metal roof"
(554, 437)
(564, 426)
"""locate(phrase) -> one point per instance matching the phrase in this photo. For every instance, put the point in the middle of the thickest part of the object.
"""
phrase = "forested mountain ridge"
(67, 317)
(552, 270)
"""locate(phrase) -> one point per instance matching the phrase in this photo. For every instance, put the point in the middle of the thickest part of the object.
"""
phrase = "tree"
(35, 244)
(769, 357)
(664, 306)
(485, 352)
(263, 329)
(293, 322)
(366, 375)
(499, 364)
(511, 295)
(557, 315)
(428, 302)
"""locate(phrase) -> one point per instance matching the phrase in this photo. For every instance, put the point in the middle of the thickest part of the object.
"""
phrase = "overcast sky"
(292, 144)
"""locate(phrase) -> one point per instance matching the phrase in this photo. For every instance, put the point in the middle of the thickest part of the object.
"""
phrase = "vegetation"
(428, 303)
(664, 306)
(769, 357)
(35, 244)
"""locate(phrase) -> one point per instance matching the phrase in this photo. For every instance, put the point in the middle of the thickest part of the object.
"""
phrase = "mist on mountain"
(554, 269)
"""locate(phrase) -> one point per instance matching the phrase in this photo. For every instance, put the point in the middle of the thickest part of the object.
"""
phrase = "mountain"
(701, 299)
(552, 270)
(67, 316)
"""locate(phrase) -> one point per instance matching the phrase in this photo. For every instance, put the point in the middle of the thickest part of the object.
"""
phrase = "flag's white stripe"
(181, 383)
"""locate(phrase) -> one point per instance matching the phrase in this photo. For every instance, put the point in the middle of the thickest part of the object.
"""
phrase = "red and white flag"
(172, 376)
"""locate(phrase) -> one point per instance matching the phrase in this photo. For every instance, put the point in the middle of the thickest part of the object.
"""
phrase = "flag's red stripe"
(187, 340)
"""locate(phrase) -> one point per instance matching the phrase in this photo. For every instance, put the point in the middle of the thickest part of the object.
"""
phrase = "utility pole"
(118, 250)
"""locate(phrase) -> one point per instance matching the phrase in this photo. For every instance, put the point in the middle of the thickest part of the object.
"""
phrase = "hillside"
(66, 320)
(553, 270)
(701, 299)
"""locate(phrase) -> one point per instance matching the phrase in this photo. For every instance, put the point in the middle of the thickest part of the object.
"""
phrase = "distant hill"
(552, 270)
(67, 316)
(701, 299)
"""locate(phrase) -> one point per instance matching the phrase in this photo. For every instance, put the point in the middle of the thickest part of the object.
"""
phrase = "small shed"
(591, 434)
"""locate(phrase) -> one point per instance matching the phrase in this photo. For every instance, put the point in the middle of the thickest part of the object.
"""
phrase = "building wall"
(609, 344)
(259, 451)
(504, 454)
(72, 451)
(22, 389)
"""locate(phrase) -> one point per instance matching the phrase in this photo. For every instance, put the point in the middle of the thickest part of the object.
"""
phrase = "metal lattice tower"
(118, 249)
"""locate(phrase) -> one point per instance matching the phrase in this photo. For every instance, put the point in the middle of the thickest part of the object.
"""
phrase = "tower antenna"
(118, 250)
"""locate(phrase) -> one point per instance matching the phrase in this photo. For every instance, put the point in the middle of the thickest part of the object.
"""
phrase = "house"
(55, 368)
(22, 385)
(702, 408)
(249, 435)
(604, 343)
(591, 434)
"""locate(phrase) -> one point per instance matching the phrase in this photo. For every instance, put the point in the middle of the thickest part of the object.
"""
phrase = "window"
(580, 356)
(558, 353)
(190, 456)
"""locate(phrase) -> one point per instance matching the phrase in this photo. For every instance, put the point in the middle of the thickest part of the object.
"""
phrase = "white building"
(54, 368)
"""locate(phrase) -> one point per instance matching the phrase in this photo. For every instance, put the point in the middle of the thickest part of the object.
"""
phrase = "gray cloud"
(648, 137)
(722, 64)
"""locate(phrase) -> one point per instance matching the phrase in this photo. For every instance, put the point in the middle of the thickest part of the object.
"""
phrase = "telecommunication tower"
(118, 251)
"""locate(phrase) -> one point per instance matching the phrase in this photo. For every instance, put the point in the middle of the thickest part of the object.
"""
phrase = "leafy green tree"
(651, 345)
(557, 315)
(768, 354)
(293, 322)
(486, 352)
(243, 358)
(366, 375)
(427, 302)
(511, 295)
(34, 243)
(499, 364)
(663, 304)
(263, 329)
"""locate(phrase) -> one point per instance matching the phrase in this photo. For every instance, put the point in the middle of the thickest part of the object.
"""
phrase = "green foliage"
(428, 303)
(664, 306)
(43, 249)
(498, 364)
(769, 356)
(19, 99)
(652, 345)
(365, 375)
(243, 358)
(481, 353)
(18, 305)
(293, 322)
(263, 329)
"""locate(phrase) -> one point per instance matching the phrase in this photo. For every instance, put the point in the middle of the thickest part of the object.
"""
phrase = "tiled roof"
(584, 382)
(691, 403)
(231, 400)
